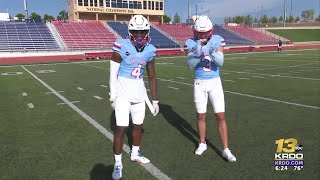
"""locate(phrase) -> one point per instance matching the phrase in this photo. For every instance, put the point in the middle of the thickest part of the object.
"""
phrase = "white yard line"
(252, 96)
(280, 67)
(258, 77)
(228, 80)
(98, 97)
(103, 86)
(244, 78)
(79, 88)
(30, 105)
(173, 88)
(243, 72)
(171, 57)
(273, 100)
(273, 75)
(157, 173)
(181, 78)
(52, 93)
(315, 69)
(24, 94)
(94, 66)
(73, 102)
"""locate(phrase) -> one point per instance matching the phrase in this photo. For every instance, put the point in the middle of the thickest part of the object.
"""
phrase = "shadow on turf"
(183, 126)
(101, 172)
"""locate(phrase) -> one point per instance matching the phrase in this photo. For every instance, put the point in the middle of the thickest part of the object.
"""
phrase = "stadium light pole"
(188, 12)
(196, 11)
(26, 8)
(290, 9)
(284, 14)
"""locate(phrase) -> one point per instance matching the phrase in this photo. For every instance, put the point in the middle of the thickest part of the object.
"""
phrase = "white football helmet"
(139, 29)
(203, 28)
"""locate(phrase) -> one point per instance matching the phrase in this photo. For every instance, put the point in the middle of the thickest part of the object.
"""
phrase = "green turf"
(298, 35)
(54, 142)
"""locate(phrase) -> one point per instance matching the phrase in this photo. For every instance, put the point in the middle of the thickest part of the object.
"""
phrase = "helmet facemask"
(139, 37)
(203, 37)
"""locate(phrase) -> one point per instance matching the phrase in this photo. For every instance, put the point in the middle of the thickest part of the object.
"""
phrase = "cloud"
(230, 8)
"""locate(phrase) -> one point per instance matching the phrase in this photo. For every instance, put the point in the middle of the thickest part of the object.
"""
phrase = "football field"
(56, 121)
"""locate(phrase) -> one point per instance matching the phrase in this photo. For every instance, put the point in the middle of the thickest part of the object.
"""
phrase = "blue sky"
(216, 9)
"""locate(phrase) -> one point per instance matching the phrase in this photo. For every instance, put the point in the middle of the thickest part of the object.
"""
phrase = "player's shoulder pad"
(219, 40)
(117, 45)
(151, 47)
(150, 51)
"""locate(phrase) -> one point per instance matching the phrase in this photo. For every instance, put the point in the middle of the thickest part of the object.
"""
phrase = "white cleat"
(117, 172)
(201, 148)
(226, 153)
(140, 159)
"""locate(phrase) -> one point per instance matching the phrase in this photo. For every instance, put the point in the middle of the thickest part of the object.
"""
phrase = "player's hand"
(155, 104)
(113, 103)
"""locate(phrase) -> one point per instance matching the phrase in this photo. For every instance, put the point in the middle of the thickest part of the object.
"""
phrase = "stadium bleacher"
(26, 36)
(181, 32)
(230, 37)
(85, 35)
(252, 34)
(158, 39)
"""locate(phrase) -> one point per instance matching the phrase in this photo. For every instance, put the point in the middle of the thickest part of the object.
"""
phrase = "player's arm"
(152, 79)
(192, 59)
(114, 69)
(217, 52)
(153, 86)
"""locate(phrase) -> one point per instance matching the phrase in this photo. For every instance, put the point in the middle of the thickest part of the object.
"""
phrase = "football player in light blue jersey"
(205, 57)
(127, 91)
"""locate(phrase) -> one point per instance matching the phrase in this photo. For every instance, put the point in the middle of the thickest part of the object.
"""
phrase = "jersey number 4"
(137, 72)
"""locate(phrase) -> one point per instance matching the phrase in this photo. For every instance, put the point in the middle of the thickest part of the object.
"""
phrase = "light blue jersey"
(133, 62)
(205, 69)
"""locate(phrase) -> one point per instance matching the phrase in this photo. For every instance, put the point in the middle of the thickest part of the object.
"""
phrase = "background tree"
(248, 20)
(265, 19)
(239, 19)
(274, 19)
(280, 19)
(255, 20)
(307, 15)
(63, 15)
(20, 16)
(297, 19)
(166, 19)
(291, 19)
(47, 17)
(318, 18)
(35, 16)
(176, 18)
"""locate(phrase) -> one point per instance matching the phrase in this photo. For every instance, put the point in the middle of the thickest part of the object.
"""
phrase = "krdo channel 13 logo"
(288, 154)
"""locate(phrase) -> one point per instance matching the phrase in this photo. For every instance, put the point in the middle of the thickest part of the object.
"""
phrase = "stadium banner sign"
(106, 10)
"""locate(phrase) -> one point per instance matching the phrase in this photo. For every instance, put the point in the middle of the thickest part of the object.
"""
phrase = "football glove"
(155, 104)
(113, 103)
